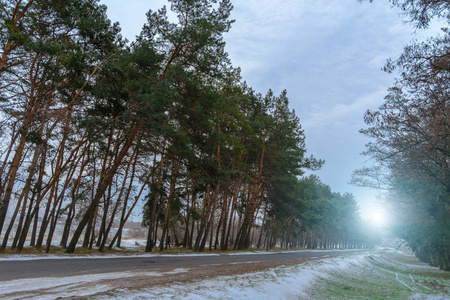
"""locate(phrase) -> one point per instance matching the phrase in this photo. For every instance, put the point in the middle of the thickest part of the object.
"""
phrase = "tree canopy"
(410, 135)
(93, 127)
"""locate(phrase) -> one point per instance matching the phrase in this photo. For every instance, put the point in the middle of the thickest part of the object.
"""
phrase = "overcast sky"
(328, 55)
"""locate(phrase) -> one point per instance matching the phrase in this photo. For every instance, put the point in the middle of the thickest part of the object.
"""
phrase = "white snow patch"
(287, 282)
(61, 286)
(402, 282)
(177, 271)
(419, 296)
(277, 283)
(244, 262)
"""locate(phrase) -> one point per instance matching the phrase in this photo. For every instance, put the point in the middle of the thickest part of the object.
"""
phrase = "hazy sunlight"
(379, 218)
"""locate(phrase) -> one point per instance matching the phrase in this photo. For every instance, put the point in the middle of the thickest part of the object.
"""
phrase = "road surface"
(21, 269)
(89, 277)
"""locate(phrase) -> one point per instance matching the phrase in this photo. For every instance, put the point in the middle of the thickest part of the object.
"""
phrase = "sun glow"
(379, 218)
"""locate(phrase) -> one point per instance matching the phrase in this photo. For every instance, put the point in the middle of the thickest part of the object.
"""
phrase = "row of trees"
(310, 215)
(91, 128)
(411, 139)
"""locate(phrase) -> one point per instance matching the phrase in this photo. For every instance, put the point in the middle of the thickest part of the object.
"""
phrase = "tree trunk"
(210, 216)
(262, 226)
(151, 237)
(173, 182)
(129, 212)
(101, 190)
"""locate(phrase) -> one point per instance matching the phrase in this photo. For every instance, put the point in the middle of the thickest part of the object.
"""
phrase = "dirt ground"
(185, 275)
(134, 281)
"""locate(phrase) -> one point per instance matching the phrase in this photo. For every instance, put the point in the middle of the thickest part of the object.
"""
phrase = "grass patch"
(384, 276)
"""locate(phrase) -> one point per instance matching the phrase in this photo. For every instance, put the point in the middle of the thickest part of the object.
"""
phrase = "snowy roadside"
(385, 275)
(169, 284)
(286, 282)
(380, 274)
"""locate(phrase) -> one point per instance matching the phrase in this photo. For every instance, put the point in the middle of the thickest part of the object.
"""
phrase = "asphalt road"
(11, 269)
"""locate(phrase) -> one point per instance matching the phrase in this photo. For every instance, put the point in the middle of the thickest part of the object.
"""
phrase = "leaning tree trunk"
(101, 190)
(166, 226)
(151, 237)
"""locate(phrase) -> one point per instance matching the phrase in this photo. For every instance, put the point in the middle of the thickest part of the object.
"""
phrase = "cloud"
(340, 113)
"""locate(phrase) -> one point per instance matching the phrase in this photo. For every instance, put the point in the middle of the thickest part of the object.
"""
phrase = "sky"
(327, 54)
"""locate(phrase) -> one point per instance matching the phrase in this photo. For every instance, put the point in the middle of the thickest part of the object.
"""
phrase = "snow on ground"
(379, 274)
(385, 275)
(57, 286)
(274, 283)
(69, 286)
(277, 283)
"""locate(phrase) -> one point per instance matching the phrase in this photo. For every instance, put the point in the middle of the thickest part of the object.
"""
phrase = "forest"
(95, 129)
(410, 138)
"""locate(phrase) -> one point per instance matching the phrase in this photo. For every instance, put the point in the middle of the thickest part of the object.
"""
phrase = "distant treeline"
(92, 127)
